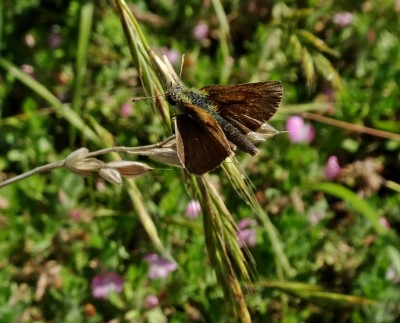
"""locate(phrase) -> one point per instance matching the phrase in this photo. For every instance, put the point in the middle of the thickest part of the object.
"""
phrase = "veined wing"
(201, 143)
(247, 106)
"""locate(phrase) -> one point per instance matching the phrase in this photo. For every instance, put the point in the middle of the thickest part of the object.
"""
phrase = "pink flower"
(54, 39)
(316, 216)
(299, 132)
(246, 234)
(384, 222)
(200, 31)
(105, 284)
(342, 19)
(332, 168)
(75, 214)
(392, 275)
(151, 301)
(125, 110)
(193, 210)
(159, 267)
(172, 55)
(28, 69)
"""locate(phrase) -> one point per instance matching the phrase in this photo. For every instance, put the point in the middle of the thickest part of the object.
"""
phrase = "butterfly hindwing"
(201, 143)
(247, 106)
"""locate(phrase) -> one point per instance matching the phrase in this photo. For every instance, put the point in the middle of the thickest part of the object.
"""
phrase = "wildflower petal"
(200, 31)
(316, 216)
(125, 110)
(343, 19)
(159, 267)
(151, 301)
(193, 209)
(299, 131)
(332, 168)
(384, 222)
(246, 234)
(104, 284)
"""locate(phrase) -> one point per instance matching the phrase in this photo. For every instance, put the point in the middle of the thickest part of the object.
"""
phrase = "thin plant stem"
(351, 126)
(392, 185)
(119, 149)
(37, 170)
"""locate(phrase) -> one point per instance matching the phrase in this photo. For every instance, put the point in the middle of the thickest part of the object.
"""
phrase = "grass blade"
(85, 27)
(61, 109)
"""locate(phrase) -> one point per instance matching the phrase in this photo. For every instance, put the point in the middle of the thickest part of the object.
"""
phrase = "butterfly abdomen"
(234, 135)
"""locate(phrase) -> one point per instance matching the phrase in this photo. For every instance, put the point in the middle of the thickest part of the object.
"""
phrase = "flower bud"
(111, 175)
(78, 163)
(129, 169)
(263, 133)
(166, 156)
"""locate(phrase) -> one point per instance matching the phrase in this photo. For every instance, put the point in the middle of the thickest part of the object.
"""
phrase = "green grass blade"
(85, 27)
(61, 109)
(151, 84)
(243, 187)
(317, 294)
(365, 209)
(354, 200)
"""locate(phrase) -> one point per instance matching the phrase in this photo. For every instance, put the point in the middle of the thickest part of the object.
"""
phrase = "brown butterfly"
(215, 116)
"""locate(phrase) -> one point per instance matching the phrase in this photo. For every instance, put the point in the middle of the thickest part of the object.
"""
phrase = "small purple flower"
(299, 132)
(28, 69)
(105, 284)
(193, 210)
(159, 267)
(172, 55)
(392, 275)
(246, 234)
(125, 110)
(200, 31)
(75, 214)
(151, 301)
(342, 19)
(384, 222)
(54, 39)
(332, 168)
(316, 216)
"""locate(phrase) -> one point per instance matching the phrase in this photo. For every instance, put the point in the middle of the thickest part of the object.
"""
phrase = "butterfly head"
(173, 94)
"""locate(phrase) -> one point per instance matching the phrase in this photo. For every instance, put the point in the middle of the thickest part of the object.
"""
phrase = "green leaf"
(354, 200)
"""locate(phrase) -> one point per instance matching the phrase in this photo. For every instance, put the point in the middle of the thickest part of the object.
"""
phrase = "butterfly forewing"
(201, 143)
(247, 106)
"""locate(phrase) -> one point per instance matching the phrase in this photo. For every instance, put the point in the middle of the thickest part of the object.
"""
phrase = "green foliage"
(62, 84)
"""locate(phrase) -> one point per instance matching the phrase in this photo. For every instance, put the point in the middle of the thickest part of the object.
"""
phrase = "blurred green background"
(337, 60)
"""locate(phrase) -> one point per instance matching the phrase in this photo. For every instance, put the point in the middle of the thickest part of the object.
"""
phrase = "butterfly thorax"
(179, 96)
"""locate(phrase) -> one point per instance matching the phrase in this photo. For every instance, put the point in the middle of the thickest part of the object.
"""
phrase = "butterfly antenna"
(141, 98)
